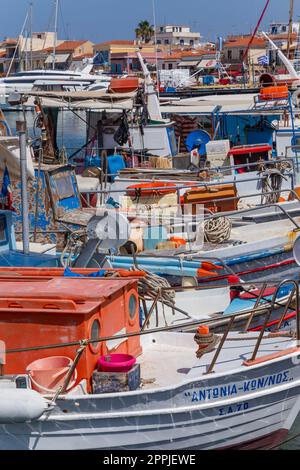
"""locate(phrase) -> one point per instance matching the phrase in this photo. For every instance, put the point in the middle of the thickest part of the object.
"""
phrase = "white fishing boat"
(240, 391)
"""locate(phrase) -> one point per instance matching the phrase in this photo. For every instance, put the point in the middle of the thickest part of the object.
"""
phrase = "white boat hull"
(251, 407)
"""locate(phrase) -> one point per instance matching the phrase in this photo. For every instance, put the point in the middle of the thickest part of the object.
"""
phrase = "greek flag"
(263, 60)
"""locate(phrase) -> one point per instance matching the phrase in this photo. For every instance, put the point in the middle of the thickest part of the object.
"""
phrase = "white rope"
(217, 230)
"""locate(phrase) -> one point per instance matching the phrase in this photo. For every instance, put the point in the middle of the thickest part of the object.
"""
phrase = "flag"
(6, 192)
(263, 60)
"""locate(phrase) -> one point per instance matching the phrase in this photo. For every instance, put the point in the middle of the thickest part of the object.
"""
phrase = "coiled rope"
(217, 230)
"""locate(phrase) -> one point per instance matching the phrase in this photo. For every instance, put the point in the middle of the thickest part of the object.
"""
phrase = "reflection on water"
(295, 443)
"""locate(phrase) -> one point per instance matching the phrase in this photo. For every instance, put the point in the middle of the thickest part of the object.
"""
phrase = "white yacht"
(23, 82)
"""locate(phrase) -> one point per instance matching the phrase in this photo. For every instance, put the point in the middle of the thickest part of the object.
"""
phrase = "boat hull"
(253, 414)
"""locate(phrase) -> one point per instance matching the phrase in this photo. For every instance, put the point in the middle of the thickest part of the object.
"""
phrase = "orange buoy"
(203, 330)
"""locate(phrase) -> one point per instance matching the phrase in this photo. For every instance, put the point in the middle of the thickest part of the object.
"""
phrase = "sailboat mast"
(55, 33)
(291, 15)
(31, 46)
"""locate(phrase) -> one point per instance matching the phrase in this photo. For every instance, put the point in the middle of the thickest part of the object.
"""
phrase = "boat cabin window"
(247, 159)
(64, 186)
(3, 230)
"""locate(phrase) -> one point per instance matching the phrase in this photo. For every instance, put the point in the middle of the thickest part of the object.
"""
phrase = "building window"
(229, 55)
(161, 29)
(241, 53)
(158, 41)
(192, 42)
(166, 41)
(283, 29)
(181, 42)
(163, 66)
(170, 66)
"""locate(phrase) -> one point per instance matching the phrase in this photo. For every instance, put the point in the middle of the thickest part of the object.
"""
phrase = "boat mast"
(254, 33)
(55, 33)
(155, 40)
(291, 14)
(30, 29)
(17, 45)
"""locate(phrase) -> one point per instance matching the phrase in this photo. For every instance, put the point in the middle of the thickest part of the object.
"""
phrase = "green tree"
(144, 31)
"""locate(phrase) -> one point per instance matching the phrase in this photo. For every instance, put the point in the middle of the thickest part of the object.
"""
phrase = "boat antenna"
(56, 3)
(155, 41)
(30, 29)
(18, 44)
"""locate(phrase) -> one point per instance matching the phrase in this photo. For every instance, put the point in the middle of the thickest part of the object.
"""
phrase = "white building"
(177, 35)
(283, 28)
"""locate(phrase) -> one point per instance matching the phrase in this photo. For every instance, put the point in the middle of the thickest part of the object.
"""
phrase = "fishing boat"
(238, 391)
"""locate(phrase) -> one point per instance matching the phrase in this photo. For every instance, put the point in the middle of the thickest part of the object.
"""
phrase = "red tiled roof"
(10, 41)
(274, 37)
(181, 54)
(116, 42)
(2, 54)
(83, 56)
(243, 41)
(70, 45)
(66, 46)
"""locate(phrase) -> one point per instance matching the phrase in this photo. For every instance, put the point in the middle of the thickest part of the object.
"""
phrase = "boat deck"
(170, 358)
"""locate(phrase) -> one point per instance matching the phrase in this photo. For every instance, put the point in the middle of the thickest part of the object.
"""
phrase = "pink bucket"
(48, 374)
(116, 363)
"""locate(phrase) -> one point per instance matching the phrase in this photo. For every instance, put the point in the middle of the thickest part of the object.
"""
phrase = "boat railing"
(101, 153)
(265, 310)
(267, 314)
(254, 209)
(292, 303)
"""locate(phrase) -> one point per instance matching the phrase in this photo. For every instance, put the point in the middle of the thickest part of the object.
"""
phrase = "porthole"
(132, 304)
(95, 334)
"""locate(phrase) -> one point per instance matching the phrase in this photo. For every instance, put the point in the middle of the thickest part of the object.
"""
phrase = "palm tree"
(144, 31)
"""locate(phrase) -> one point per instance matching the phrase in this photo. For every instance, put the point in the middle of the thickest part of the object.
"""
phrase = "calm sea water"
(72, 135)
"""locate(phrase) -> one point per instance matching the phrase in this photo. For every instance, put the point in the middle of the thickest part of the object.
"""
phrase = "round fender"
(296, 98)
(20, 406)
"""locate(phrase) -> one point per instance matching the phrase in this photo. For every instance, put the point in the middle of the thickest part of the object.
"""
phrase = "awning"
(250, 149)
(96, 100)
(59, 59)
(188, 63)
(207, 64)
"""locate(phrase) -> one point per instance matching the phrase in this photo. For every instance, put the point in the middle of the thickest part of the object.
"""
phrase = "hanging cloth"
(122, 134)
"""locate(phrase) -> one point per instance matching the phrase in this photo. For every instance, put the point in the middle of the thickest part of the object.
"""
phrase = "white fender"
(20, 406)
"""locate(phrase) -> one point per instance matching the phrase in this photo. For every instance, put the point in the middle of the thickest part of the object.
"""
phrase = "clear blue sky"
(101, 20)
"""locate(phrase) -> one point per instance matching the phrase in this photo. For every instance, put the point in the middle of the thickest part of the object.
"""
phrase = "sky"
(103, 20)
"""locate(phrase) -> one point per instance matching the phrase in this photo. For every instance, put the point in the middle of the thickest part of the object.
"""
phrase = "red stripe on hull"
(269, 441)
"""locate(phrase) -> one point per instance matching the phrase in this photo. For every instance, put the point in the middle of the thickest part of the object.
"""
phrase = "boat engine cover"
(21, 406)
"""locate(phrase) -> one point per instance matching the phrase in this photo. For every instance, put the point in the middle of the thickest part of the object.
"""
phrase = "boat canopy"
(246, 149)
(86, 99)
(58, 59)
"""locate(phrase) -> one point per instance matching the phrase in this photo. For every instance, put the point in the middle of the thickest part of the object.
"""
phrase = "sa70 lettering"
(227, 410)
